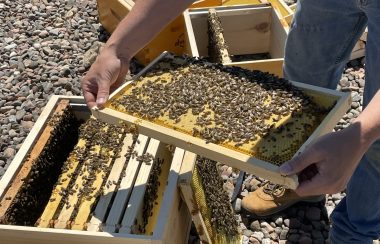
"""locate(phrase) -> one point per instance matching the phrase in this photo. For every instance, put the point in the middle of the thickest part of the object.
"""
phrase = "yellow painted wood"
(55, 199)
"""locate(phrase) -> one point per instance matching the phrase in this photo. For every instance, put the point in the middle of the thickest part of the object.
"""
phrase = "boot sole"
(279, 209)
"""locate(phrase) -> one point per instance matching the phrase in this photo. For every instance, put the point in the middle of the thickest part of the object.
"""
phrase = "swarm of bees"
(32, 198)
(224, 226)
(150, 196)
(217, 47)
(249, 111)
(92, 162)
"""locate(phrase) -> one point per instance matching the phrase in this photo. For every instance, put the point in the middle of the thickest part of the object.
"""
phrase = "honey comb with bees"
(251, 120)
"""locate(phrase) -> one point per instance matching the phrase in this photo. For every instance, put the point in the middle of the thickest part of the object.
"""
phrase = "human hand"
(105, 75)
(326, 166)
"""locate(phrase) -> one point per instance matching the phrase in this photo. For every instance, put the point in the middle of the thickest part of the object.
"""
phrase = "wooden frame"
(172, 37)
(248, 29)
(173, 222)
(225, 155)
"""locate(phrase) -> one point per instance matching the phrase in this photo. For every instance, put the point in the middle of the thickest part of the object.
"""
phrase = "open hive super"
(84, 176)
(218, 111)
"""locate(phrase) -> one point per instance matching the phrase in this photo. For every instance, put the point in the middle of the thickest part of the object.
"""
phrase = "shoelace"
(273, 189)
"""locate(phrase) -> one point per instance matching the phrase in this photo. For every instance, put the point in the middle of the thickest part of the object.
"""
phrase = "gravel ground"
(45, 49)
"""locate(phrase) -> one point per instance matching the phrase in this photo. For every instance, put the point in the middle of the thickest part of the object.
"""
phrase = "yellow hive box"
(245, 156)
(172, 38)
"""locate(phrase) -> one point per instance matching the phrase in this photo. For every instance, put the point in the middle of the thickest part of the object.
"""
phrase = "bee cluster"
(151, 194)
(249, 111)
(102, 144)
(31, 199)
(217, 47)
(224, 225)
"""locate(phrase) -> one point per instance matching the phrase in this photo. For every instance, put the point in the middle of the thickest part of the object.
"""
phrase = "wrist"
(368, 134)
(114, 49)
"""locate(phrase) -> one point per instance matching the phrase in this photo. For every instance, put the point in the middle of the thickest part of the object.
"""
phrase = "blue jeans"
(319, 44)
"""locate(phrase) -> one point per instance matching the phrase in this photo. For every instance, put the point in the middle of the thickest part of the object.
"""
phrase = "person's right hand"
(105, 75)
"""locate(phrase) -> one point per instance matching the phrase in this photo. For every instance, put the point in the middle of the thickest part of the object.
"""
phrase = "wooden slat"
(53, 206)
(64, 217)
(27, 166)
(102, 206)
(126, 186)
(87, 202)
(135, 202)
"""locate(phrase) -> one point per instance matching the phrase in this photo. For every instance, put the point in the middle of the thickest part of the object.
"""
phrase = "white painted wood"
(126, 186)
(104, 202)
(135, 202)
(170, 227)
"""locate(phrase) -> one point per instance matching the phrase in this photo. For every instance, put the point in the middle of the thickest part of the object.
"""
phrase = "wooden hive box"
(118, 214)
(167, 131)
(247, 30)
(171, 38)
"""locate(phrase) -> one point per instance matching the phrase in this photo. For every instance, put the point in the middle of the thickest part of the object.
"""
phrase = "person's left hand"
(326, 166)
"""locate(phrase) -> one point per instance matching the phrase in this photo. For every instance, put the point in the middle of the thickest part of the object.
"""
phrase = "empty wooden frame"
(251, 29)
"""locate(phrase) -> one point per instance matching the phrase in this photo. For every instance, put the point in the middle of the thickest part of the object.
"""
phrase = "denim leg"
(320, 40)
(357, 217)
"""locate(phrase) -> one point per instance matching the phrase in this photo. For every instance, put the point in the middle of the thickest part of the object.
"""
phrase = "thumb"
(301, 161)
(103, 93)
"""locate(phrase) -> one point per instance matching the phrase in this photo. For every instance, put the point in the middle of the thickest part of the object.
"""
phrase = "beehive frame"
(173, 220)
(249, 29)
(225, 155)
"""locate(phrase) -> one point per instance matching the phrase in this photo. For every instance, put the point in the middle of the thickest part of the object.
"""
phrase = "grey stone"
(255, 225)
(294, 223)
(10, 46)
(360, 82)
(43, 34)
(20, 114)
(283, 234)
(316, 234)
(306, 227)
(293, 237)
(9, 152)
(344, 82)
(313, 213)
(253, 240)
(247, 232)
(279, 221)
(305, 240)
(355, 97)
(28, 125)
(258, 235)
(286, 222)
(266, 241)
(237, 205)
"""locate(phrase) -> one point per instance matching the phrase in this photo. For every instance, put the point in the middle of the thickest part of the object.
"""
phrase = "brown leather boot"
(271, 198)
